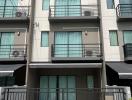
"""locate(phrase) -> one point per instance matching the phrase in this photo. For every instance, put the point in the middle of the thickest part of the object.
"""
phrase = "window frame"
(124, 36)
(92, 81)
(43, 9)
(42, 38)
(113, 7)
(116, 37)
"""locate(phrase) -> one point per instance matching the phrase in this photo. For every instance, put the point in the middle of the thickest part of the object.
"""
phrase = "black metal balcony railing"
(14, 11)
(63, 94)
(76, 50)
(13, 51)
(128, 50)
(73, 10)
(124, 10)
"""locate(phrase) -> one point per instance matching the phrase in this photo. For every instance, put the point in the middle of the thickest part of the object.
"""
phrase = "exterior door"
(68, 44)
(61, 47)
(67, 8)
(57, 87)
(6, 44)
(8, 8)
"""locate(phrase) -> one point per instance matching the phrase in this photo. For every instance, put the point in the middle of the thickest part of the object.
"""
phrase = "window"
(67, 44)
(90, 82)
(49, 86)
(113, 38)
(127, 37)
(6, 10)
(70, 8)
(110, 4)
(7, 81)
(45, 4)
(6, 43)
(44, 39)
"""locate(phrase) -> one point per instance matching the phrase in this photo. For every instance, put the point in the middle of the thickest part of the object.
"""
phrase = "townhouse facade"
(117, 36)
(14, 28)
(66, 48)
(62, 48)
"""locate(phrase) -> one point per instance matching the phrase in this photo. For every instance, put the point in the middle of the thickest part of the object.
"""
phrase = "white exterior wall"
(109, 22)
(41, 54)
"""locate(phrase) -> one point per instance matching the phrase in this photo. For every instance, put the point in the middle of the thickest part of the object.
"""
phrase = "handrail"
(73, 10)
(124, 10)
(76, 50)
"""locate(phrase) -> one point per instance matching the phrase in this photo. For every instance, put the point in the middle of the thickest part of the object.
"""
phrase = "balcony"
(13, 52)
(63, 94)
(124, 12)
(14, 13)
(76, 52)
(128, 52)
(74, 13)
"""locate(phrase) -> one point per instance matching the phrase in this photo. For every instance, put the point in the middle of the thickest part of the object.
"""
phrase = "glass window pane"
(61, 41)
(90, 82)
(113, 38)
(44, 39)
(110, 4)
(45, 4)
(43, 86)
(6, 43)
(127, 37)
(52, 87)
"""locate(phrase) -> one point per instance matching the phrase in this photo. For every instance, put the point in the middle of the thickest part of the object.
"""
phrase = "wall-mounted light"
(18, 33)
(86, 33)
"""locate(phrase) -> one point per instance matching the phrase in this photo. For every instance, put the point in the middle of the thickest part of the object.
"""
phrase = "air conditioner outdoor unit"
(20, 14)
(17, 54)
(89, 53)
(87, 13)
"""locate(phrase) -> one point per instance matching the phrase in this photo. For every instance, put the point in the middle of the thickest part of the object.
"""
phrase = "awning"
(123, 69)
(8, 69)
(65, 65)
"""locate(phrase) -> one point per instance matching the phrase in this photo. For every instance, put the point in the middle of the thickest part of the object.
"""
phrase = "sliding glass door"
(57, 87)
(61, 47)
(6, 43)
(7, 8)
(126, 10)
(75, 44)
(68, 44)
(67, 7)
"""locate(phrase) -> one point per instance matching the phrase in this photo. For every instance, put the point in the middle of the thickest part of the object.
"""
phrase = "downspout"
(29, 39)
(103, 70)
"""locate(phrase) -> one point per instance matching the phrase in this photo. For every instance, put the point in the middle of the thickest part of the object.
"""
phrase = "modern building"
(14, 27)
(66, 48)
(116, 20)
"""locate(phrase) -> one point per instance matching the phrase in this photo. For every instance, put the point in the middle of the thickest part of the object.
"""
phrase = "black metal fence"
(13, 51)
(63, 94)
(14, 11)
(76, 50)
(73, 10)
(128, 50)
(124, 10)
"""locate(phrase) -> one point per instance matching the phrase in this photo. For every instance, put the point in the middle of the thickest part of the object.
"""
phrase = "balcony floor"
(74, 19)
(77, 59)
(124, 18)
(14, 19)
